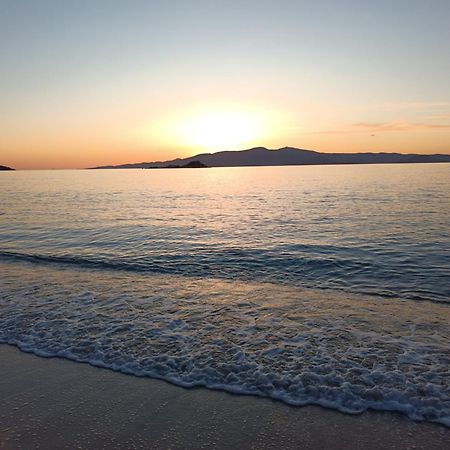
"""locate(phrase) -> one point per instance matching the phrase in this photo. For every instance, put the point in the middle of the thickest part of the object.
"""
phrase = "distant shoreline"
(218, 167)
(286, 156)
(256, 165)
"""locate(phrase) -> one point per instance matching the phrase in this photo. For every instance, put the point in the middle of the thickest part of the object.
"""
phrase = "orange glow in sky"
(220, 130)
(97, 83)
(210, 128)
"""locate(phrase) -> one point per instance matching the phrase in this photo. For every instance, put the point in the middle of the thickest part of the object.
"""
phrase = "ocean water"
(323, 285)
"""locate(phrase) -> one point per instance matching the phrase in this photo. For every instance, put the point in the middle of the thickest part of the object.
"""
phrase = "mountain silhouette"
(6, 168)
(286, 156)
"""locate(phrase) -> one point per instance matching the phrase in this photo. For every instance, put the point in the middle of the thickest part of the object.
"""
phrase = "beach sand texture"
(57, 404)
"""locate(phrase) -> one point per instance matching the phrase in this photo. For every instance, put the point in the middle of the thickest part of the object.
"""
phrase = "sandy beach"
(55, 404)
(224, 225)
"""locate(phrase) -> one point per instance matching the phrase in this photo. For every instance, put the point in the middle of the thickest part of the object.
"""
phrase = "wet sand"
(57, 404)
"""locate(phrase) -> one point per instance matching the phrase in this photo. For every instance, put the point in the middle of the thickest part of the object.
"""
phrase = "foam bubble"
(301, 346)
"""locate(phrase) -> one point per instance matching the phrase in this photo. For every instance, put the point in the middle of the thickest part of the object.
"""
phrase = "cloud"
(415, 106)
(381, 127)
(398, 125)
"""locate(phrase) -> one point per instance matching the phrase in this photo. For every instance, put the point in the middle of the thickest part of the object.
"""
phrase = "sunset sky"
(85, 83)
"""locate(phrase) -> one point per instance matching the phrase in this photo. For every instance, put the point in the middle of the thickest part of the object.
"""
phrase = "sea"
(324, 285)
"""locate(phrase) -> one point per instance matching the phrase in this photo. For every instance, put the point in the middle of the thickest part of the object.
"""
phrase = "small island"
(6, 168)
(190, 165)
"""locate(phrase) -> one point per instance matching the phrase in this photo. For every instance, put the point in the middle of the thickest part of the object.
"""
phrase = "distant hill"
(286, 156)
(6, 168)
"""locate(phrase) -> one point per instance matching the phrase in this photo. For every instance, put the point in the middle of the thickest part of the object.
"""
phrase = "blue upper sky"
(83, 82)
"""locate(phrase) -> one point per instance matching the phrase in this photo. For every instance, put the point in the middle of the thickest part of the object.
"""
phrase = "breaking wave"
(301, 346)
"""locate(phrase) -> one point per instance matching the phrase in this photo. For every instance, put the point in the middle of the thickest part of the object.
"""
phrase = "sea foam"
(300, 346)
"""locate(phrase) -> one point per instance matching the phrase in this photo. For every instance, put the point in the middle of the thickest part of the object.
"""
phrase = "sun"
(211, 128)
(220, 130)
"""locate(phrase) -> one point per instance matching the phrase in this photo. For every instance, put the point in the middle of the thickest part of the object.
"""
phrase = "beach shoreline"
(55, 403)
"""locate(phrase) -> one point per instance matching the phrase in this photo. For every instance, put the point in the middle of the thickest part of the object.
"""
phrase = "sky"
(87, 82)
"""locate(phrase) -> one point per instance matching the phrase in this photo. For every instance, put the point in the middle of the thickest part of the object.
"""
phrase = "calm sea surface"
(322, 284)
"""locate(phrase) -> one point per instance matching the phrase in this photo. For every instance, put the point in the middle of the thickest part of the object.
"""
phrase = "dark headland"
(286, 156)
(6, 168)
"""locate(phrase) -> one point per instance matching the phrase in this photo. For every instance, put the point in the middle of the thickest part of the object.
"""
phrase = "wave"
(295, 345)
(317, 267)
(310, 388)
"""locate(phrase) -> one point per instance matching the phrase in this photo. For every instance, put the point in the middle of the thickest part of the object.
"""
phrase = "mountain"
(286, 156)
(6, 168)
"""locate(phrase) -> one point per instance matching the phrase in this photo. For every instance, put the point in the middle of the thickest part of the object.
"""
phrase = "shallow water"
(217, 277)
(381, 229)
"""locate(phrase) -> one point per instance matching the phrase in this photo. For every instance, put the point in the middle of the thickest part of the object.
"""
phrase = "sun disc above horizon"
(215, 129)
(221, 129)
